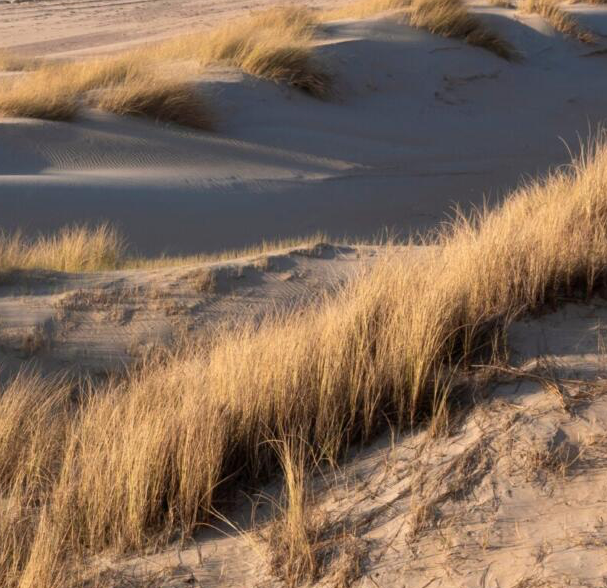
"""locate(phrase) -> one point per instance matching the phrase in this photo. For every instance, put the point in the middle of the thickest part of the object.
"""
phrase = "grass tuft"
(73, 249)
(15, 63)
(451, 18)
(273, 44)
(159, 99)
(559, 19)
(35, 97)
(448, 18)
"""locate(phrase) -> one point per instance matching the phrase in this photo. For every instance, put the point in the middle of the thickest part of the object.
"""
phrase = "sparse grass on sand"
(81, 248)
(55, 91)
(307, 242)
(275, 44)
(561, 20)
(132, 461)
(451, 18)
(448, 18)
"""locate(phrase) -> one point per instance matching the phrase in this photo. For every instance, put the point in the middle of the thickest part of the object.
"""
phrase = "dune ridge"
(275, 44)
(129, 465)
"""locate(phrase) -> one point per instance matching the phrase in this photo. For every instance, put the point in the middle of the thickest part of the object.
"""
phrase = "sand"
(102, 322)
(418, 124)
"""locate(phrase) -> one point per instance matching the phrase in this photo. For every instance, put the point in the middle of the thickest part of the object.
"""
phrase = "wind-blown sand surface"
(418, 123)
(95, 322)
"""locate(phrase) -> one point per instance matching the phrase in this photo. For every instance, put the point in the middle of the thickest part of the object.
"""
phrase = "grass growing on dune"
(365, 8)
(447, 18)
(73, 249)
(559, 19)
(159, 99)
(11, 62)
(273, 44)
(147, 456)
(265, 247)
(451, 18)
(56, 91)
(81, 248)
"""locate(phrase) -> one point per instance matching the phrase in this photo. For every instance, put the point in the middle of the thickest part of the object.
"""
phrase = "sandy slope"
(102, 321)
(515, 497)
(419, 123)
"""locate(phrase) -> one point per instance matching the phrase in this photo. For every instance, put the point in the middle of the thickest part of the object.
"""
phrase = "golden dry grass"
(12, 62)
(559, 19)
(448, 18)
(55, 91)
(159, 99)
(73, 249)
(365, 8)
(272, 246)
(29, 98)
(451, 18)
(273, 44)
(148, 455)
(81, 248)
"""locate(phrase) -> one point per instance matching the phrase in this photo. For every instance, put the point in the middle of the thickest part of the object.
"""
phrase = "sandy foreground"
(418, 124)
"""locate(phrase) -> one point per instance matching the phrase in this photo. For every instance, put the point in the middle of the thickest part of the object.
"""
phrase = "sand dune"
(468, 349)
(100, 322)
(418, 123)
(514, 497)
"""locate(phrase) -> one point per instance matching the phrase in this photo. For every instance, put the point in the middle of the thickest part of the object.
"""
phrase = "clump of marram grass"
(448, 18)
(451, 18)
(15, 63)
(73, 249)
(147, 456)
(162, 100)
(123, 85)
(37, 98)
(561, 20)
(55, 91)
(273, 44)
